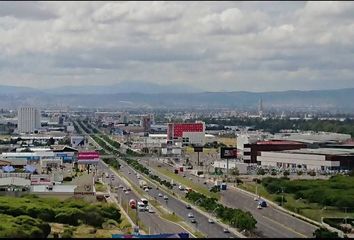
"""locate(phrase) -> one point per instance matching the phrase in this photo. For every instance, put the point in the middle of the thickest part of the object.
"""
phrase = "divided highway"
(271, 222)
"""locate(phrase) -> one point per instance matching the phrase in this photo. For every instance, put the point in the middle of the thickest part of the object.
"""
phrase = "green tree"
(324, 233)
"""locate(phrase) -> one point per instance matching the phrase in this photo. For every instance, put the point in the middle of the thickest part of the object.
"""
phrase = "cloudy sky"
(251, 46)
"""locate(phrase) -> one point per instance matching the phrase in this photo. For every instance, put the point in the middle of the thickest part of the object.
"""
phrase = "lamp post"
(212, 213)
(197, 201)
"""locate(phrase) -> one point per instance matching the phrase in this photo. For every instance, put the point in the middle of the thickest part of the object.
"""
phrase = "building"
(146, 122)
(309, 159)
(187, 133)
(28, 120)
(222, 164)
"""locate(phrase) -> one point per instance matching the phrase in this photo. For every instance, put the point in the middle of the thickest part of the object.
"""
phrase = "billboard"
(198, 149)
(227, 153)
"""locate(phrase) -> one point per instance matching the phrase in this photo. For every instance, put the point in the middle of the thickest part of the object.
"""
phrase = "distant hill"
(124, 87)
(125, 96)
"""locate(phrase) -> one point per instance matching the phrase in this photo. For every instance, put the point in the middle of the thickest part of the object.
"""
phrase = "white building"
(28, 119)
(309, 159)
(242, 167)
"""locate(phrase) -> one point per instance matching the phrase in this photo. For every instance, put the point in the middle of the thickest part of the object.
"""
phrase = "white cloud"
(243, 45)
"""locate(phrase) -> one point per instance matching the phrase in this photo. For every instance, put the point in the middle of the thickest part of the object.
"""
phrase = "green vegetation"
(28, 216)
(338, 191)
(324, 233)
(188, 183)
(234, 217)
(100, 187)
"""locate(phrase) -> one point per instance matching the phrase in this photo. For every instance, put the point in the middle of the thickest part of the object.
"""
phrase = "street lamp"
(212, 213)
(195, 203)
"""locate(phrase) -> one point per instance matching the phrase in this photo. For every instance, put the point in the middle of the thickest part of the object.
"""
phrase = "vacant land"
(312, 198)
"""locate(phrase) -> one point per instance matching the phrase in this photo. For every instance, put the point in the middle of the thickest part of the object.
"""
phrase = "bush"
(67, 179)
(324, 233)
(260, 171)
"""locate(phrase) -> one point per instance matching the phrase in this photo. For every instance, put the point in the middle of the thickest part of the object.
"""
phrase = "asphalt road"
(271, 222)
(210, 230)
(151, 220)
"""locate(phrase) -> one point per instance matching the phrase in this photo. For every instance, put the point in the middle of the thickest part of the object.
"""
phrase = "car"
(181, 187)
(259, 207)
(124, 189)
(184, 175)
(210, 220)
(188, 206)
(226, 230)
(190, 215)
(150, 210)
(129, 173)
(193, 220)
(120, 186)
(205, 183)
(146, 189)
(165, 197)
(255, 199)
(160, 195)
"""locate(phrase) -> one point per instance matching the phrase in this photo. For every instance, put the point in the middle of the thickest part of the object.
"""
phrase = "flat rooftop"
(322, 151)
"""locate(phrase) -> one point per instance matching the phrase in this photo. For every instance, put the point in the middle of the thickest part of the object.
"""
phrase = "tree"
(324, 233)
(260, 171)
(312, 173)
(234, 171)
(51, 141)
(286, 173)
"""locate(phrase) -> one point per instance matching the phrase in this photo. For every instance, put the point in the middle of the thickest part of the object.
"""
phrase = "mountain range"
(146, 95)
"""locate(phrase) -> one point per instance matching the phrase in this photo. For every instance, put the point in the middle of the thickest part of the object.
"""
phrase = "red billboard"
(88, 155)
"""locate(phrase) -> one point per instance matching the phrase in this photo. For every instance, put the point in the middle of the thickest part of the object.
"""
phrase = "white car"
(210, 220)
(165, 197)
(259, 207)
(150, 210)
(146, 189)
(190, 215)
(160, 195)
(181, 187)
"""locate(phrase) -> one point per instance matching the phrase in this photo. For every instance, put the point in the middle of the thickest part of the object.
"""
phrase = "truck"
(143, 184)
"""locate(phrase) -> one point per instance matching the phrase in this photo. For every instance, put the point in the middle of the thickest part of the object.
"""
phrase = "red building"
(187, 133)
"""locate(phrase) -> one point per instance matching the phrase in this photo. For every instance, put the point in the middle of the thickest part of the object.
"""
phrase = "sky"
(212, 46)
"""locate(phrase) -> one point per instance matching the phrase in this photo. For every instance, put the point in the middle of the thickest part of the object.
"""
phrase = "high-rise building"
(28, 119)
(260, 107)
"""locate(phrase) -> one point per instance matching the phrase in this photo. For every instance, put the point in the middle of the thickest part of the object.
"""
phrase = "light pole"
(195, 203)
(212, 213)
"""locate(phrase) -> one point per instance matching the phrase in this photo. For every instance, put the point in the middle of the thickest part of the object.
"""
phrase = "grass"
(227, 141)
(311, 210)
(100, 187)
(187, 183)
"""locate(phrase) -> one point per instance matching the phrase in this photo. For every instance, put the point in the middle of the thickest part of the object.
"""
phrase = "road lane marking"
(290, 229)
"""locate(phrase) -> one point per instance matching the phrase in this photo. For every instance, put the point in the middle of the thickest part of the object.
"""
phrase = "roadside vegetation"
(30, 216)
(235, 217)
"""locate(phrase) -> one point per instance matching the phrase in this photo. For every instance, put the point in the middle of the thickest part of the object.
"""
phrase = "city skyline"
(212, 46)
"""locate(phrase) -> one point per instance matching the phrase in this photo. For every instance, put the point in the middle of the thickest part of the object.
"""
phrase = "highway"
(151, 220)
(202, 225)
(271, 222)
(210, 230)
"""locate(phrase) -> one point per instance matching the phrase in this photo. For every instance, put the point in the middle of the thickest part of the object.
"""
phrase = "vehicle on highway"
(145, 201)
(160, 195)
(146, 189)
(259, 207)
(193, 220)
(141, 206)
(210, 220)
(129, 173)
(124, 189)
(190, 215)
(188, 206)
(262, 203)
(165, 197)
(120, 186)
(150, 209)
(226, 230)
